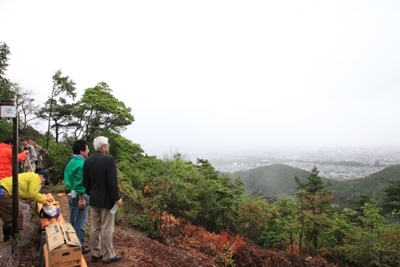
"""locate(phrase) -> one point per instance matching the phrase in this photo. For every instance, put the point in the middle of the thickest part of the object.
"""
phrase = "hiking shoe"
(115, 259)
(97, 259)
(85, 250)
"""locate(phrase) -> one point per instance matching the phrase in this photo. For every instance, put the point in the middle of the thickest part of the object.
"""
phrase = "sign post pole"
(8, 110)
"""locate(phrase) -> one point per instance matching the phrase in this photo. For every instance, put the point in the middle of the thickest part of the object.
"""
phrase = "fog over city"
(222, 77)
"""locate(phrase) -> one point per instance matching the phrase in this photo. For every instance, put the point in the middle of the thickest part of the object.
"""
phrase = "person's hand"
(119, 202)
(49, 199)
(82, 203)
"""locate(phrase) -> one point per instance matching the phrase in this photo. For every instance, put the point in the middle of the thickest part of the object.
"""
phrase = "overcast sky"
(221, 76)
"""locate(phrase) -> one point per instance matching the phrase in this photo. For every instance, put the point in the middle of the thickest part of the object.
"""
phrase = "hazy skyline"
(221, 76)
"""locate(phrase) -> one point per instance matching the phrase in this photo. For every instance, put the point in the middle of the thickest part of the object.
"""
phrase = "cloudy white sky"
(222, 76)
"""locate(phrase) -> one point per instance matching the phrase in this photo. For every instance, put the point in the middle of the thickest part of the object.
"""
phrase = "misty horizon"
(221, 76)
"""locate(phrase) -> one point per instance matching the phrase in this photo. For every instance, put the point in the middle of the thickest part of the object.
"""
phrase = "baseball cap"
(45, 175)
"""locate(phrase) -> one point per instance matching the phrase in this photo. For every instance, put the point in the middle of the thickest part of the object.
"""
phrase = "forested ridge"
(271, 181)
(302, 225)
(275, 180)
(375, 183)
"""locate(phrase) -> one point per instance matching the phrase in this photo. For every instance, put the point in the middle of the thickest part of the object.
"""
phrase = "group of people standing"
(92, 185)
(30, 158)
(29, 179)
(35, 153)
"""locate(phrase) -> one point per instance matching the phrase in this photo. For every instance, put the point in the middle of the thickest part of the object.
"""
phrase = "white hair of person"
(99, 141)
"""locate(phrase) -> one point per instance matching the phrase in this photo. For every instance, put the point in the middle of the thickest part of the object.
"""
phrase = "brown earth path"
(137, 249)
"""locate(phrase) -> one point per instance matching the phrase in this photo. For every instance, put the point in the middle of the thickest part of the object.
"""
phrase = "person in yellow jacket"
(29, 184)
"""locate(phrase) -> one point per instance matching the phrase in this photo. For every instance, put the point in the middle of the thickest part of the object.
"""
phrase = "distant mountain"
(352, 189)
(278, 179)
(271, 180)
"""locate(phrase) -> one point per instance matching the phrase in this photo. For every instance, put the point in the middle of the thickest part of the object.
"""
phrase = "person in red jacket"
(6, 158)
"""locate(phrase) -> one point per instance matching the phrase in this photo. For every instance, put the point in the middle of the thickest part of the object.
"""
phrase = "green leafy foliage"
(57, 109)
(98, 111)
(281, 230)
(314, 201)
(314, 183)
(373, 244)
(219, 197)
(6, 129)
(5, 84)
(56, 160)
(391, 201)
(253, 216)
(193, 192)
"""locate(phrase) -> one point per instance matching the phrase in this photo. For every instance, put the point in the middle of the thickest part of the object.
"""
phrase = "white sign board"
(8, 112)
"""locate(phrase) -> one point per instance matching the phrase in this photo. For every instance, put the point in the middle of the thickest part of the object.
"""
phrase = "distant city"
(340, 164)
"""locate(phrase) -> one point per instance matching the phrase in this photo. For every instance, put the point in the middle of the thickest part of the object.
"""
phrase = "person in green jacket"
(78, 200)
(29, 184)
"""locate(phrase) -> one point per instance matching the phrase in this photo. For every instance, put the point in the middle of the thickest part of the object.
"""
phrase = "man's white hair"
(99, 141)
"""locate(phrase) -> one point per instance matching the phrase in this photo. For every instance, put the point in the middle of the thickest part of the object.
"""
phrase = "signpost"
(8, 110)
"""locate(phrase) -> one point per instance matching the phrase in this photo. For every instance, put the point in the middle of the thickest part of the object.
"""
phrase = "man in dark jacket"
(101, 184)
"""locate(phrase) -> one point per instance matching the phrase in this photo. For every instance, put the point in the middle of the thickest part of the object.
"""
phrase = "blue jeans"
(78, 217)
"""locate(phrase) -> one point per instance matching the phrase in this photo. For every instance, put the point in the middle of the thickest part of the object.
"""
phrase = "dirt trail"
(137, 250)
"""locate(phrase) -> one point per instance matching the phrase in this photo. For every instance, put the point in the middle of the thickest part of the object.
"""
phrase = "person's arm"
(22, 156)
(78, 181)
(81, 201)
(79, 188)
(33, 190)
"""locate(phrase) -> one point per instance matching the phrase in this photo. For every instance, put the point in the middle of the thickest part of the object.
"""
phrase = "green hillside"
(352, 189)
(278, 179)
(271, 180)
